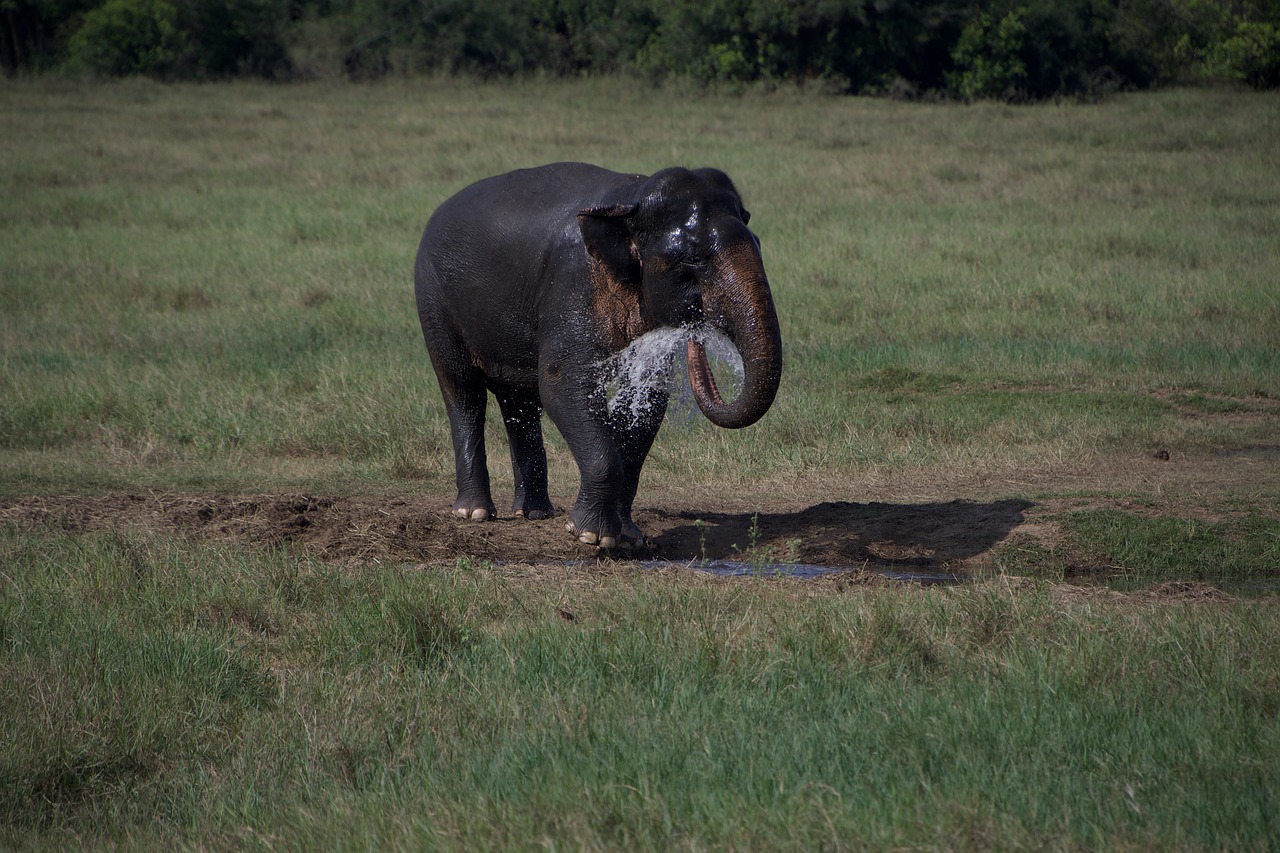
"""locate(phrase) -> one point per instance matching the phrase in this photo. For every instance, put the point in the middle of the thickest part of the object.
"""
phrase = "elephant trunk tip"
(758, 391)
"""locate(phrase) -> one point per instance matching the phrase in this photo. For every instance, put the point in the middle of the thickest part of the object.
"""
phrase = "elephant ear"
(606, 232)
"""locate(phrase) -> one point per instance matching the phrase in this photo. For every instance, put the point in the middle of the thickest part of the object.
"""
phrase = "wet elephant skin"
(528, 281)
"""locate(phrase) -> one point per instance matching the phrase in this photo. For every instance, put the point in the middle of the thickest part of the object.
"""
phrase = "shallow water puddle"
(734, 568)
(800, 571)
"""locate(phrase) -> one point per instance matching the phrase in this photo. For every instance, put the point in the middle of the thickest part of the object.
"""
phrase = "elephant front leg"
(596, 517)
(635, 441)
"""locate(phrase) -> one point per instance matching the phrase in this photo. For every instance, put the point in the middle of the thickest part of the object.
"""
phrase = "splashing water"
(655, 364)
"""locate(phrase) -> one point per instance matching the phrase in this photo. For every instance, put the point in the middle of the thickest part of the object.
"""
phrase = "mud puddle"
(799, 571)
(737, 568)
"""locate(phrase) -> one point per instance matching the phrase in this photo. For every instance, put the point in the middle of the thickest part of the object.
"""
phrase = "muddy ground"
(916, 522)
(363, 529)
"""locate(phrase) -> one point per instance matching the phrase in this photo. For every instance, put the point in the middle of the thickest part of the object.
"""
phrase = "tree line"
(1006, 49)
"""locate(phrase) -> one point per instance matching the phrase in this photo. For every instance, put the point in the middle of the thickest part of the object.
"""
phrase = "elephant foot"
(531, 509)
(630, 537)
(632, 532)
(474, 511)
(590, 537)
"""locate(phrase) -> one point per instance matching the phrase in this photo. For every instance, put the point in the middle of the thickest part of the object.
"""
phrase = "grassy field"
(159, 693)
(210, 287)
(1064, 315)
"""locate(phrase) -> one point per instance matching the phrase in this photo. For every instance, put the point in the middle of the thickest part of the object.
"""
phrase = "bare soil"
(363, 529)
(920, 521)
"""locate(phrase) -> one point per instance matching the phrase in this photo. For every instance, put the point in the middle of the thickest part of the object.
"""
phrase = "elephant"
(527, 282)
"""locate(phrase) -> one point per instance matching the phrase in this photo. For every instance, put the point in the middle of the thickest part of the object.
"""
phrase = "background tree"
(1011, 49)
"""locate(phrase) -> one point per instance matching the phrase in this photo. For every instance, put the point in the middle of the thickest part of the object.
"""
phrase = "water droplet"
(655, 366)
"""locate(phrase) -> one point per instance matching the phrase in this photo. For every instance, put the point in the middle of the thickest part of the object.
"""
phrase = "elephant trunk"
(739, 303)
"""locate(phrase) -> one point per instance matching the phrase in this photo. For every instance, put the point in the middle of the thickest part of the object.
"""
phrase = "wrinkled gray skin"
(526, 282)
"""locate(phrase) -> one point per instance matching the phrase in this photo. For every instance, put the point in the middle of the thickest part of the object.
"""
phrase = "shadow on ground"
(366, 530)
(923, 536)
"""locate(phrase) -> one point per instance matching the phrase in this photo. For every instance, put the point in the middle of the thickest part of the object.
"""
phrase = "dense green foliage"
(124, 37)
(158, 38)
(1011, 49)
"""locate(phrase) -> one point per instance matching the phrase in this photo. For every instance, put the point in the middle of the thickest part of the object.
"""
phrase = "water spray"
(656, 364)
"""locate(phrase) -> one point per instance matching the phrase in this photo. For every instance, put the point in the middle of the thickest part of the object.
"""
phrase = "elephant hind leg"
(466, 424)
(465, 399)
(522, 415)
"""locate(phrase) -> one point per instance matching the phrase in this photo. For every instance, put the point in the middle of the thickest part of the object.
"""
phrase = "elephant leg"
(466, 424)
(522, 414)
(465, 399)
(636, 441)
(595, 517)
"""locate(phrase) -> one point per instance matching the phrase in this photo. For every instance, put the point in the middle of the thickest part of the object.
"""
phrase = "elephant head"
(679, 246)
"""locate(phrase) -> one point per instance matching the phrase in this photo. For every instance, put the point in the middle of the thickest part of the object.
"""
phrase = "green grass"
(161, 692)
(1130, 550)
(1243, 550)
(209, 286)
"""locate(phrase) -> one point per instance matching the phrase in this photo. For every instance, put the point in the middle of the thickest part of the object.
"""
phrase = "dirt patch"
(368, 529)
(915, 530)
(350, 529)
